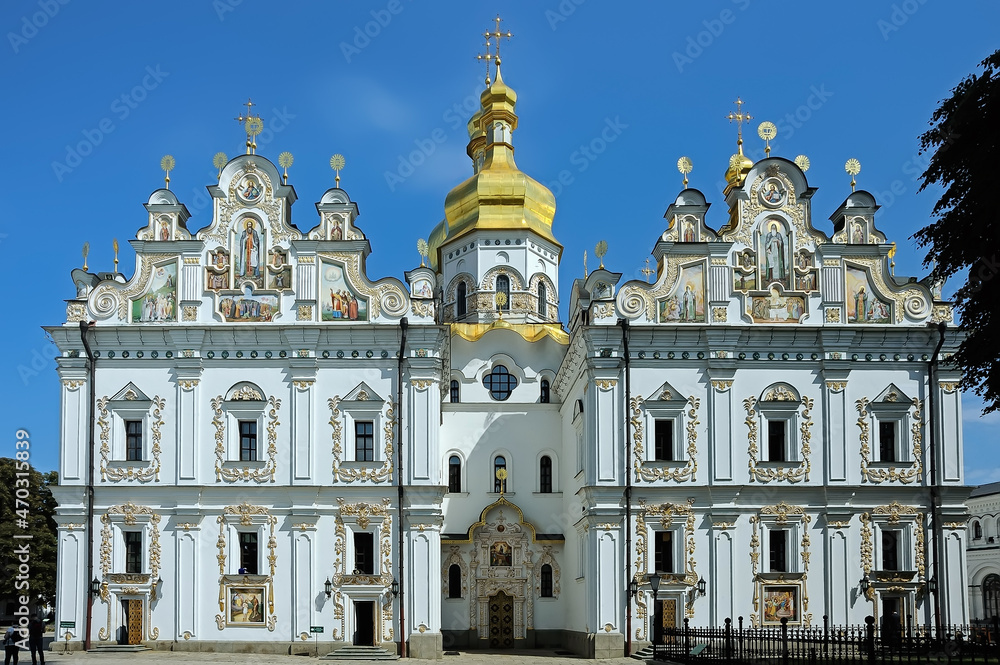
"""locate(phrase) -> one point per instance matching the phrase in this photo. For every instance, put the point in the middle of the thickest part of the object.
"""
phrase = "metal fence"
(734, 643)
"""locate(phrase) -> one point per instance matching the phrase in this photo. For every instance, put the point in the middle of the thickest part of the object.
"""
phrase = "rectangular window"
(248, 440)
(777, 543)
(364, 441)
(663, 552)
(364, 554)
(776, 451)
(133, 440)
(887, 441)
(663, 439)
(890, 550)
(248, 553)
(133, 551)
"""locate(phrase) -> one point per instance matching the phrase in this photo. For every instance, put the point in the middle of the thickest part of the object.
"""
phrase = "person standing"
(35, 631)
(10, 646)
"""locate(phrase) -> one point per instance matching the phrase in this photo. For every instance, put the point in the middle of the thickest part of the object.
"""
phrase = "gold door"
(669, 620)
(134, 620)
(501, 621)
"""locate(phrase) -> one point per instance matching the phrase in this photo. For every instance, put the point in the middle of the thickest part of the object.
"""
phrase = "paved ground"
(464, 658)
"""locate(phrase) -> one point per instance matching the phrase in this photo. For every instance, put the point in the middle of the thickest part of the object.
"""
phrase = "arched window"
(454, 581)
(500, 382)
(454, 474)
(545, 475)
(499, 484)
(453, 393)
(460, 300)
(503, 286)
(546, 582)
(977, 531)
(991, 596)
(543, 395)
(542, 300)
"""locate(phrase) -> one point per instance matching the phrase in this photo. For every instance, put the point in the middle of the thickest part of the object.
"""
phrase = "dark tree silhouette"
(965, 143)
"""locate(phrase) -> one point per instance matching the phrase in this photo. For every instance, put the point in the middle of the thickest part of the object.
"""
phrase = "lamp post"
(654, 584)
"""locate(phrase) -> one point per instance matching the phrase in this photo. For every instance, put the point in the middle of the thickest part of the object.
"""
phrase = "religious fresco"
(246, 605)
(159, 303)
(249, 308)
(217, 271)
(686, 303)
(774, 246)
(857, 233)
(805, 282)
(781, 602)
(422, 289)
(339, 301)
(688, 231)
(744, 281)
(500, 554)
(777, 308)
(772, 193)
(863, 305)
(250, 189)
(248, 252)
(280, 280)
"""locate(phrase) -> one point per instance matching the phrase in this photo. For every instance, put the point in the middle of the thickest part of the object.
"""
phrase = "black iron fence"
(866, 643)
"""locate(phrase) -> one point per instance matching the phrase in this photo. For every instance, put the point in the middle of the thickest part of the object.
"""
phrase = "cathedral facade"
(289, 455)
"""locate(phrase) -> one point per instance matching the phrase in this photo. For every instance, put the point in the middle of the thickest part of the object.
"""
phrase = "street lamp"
(654, 584)
(328, 587)
(864, 584)
(701, 587)
(95, 587)
(932, 585)
(633, 588)
(394, 588)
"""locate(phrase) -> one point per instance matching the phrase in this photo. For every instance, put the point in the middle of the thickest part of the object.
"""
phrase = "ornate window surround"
(660, 517)
(361, 404)
(112, 413)
(250, 518)
(116, 520)
(898, 517)
(795, 519)
(780, 401)
(245, 401)
(684, 412)
(888, 406)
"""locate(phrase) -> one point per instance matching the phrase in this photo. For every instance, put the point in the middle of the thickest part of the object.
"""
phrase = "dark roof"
(983, 490)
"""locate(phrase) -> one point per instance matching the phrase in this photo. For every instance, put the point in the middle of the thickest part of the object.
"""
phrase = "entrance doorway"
(501, 621)
(664, 621)
(364, 623)
(132, 609)
(892, 617)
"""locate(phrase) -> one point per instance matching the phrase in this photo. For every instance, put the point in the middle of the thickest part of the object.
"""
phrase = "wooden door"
(668, 620)
(134, 620)
(501, 621)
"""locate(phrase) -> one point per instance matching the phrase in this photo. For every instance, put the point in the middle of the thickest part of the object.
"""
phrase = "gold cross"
(486, 57)
(243, 118)
(502, 477)
(497, 35)
(740, 117)
(647, 271)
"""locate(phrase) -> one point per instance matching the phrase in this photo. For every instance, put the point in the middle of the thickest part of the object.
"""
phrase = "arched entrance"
(991, 596)
(501, 621)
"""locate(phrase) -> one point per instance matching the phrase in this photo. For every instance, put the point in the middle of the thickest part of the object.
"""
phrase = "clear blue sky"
(134, 81)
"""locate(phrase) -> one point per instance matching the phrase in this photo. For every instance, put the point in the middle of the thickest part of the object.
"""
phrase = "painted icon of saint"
(775, 267)
(249, 247)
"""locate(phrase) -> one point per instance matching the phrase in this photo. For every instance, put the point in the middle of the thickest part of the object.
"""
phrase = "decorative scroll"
(895, 512)
(247, 513)
(783, 514)
(635, 299)
(666, 512)
(385, 295)
(138, 583)
(903, 475)
(650, 474)
(790, 474)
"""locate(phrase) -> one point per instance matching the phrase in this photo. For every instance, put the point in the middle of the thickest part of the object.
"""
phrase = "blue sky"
(390, 85)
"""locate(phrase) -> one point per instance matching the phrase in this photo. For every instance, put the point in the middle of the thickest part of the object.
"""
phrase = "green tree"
(39, 523)
(965, 141)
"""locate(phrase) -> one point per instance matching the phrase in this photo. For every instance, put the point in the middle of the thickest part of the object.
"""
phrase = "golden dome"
(434, 242)
(499, 196)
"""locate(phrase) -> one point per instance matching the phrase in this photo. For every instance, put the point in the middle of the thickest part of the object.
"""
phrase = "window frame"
(668, 552)
(786, 412)
(255, 450)
(901, 532)
(454, 392)
(455, 585)
(132, 540)
(461, 299)
(898, 414)
(544, 392)
(367, 537)
(452, 472)
(499, 371)
(242, 544)
(783, 551)
(362, 452)
(662, 410)
(543, 300)
(130, 439)
(546, 583)
(546, 485)
(500, 487)
(505, 289)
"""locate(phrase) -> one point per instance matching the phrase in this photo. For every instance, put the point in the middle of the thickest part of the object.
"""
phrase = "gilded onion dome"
(498, 196)
(739, 167)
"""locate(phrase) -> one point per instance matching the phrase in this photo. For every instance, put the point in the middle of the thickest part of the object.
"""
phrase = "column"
(302, 416)
(720, 430)
(835, 424)
(423, 614)
(305, 582)
(186, 578)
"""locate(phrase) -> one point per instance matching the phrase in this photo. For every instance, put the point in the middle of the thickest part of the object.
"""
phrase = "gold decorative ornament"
(647, 271)
(802, 162)
(114, 246)
(853, 167)
(792, 474)
(285, 160)
(606, 384)
(488, 58)
(648, 471)
(767, 131)
(219, 160)
(836, 386)
(684, 165)
(304, 313)
(892, 259)
(86, 252)
(600, 251)
(833, 315)
(337, 163)
(422, 250)
(720, 314)
(496, 36)
(722, 385)
(167, 164)
(891, 474)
